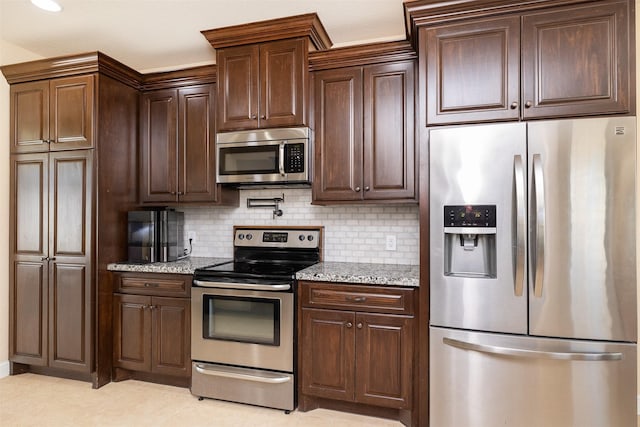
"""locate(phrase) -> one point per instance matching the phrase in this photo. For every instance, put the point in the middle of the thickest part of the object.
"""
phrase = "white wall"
(9, 54)
(353, 233)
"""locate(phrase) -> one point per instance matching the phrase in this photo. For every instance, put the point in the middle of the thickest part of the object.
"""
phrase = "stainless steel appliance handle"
(241, 286)
(281, 158)
(261, 378)
(539, 207)
(536, 354)
(521, 213)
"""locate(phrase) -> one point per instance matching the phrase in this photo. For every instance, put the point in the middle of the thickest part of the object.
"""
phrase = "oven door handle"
(264, 377)
(242, 286)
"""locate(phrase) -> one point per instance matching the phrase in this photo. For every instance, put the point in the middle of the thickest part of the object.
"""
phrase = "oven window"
(249, 160)
(250, 320)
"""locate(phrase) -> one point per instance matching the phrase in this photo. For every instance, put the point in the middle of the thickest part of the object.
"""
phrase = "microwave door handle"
(281, 158)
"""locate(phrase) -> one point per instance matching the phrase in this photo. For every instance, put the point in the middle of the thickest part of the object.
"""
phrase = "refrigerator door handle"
(535, 354)
(520, 198)
(538, 208)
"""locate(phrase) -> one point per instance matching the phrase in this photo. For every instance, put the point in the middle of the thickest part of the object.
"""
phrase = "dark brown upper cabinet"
(262, 85)
(52, 115)
(364, 134)
(575, 61)
(263, 71)
(177, 146)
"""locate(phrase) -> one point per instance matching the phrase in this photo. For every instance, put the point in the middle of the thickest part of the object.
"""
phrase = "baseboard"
(4, 371)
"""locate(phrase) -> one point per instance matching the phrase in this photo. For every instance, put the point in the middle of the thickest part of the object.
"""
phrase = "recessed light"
(48, 5)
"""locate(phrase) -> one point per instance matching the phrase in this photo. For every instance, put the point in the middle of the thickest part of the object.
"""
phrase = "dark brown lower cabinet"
(352, 352)
(50, 276)
(152, 333)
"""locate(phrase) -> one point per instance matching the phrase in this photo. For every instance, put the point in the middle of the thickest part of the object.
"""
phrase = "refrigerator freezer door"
(487, 380)
(470, 166)
(582, 251)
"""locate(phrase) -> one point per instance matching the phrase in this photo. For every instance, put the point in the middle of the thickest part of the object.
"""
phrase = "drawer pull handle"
(150, 285)
(356, 299)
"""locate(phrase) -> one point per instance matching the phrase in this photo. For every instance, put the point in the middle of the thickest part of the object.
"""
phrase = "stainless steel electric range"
(243, 317)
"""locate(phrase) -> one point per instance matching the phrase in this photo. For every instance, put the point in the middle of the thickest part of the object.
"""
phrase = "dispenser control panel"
(470, 216)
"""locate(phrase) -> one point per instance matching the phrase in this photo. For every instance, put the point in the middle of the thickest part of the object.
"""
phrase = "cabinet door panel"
(171, 352)
(28, 313)
(576, 61)
(196, 130)
(132, 332)
(29, 116)
(70, 204)
(158, 180)
(384, 373)
(282, 83)
(238, 69)
(389, 148)
(328, 345)
(69, 317)
(72, 113)
(28, 204)
(473, 71)
(28, 247)
(338, 144)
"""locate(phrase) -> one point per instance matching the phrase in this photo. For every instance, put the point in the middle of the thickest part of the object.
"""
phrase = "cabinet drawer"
(360, 298)
(154, 284)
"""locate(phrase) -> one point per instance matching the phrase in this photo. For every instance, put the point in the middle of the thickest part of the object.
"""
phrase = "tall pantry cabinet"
(73, 178)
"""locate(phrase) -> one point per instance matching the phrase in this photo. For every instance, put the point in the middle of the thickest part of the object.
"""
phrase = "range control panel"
(470, 216)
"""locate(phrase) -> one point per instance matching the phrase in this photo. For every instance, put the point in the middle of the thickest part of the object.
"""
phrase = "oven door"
(247, 328)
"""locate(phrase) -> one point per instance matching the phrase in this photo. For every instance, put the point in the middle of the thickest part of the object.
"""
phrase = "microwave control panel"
(294, 158)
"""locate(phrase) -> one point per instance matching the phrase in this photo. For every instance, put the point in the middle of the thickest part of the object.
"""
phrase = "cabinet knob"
(52, 258)
(357, 189)
(180, 193)
(152, 307)
(253, 117)
(44, 258)
(263, 117)
(359, 326)
(349, 324)
(514, 105)
(528, 104)
(366, 188)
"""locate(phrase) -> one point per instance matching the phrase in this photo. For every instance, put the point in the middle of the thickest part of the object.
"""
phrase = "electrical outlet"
(191, 235)
(390, 243)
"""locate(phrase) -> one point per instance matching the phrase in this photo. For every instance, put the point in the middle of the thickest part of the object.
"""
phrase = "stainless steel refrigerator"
(533, 274)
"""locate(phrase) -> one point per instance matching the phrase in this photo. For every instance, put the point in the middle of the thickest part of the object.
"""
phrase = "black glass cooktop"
(258, 268)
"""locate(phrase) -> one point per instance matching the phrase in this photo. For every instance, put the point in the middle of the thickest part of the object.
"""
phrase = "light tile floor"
(35, 400)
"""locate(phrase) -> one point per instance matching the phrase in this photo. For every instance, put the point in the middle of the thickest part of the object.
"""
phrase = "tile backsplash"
(352, 233)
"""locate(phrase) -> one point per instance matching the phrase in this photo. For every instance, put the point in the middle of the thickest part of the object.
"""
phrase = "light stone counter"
(366, 274)
(183, 266)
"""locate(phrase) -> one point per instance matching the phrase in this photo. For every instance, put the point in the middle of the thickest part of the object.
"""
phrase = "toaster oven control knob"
(249, 236)
(240, 236)
(310, 238)
(301, 237)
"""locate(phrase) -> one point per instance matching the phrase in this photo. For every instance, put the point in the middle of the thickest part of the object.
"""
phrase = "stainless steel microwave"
(265, 156)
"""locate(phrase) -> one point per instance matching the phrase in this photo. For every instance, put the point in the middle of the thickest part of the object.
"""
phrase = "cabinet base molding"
(20, 368)
(309, 403)
(120, 374)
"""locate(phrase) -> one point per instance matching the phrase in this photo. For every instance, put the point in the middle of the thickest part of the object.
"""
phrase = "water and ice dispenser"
(470, 241)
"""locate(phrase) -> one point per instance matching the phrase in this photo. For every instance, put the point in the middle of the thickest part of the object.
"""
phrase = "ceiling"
(154, 35)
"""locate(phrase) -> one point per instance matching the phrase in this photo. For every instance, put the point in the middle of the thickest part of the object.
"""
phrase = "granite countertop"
(367, 274)
(183, 266)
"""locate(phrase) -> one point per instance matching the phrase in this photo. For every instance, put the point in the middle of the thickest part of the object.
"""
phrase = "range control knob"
(240, 236)
(301, 237)
(249, 236)
(310, 237)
